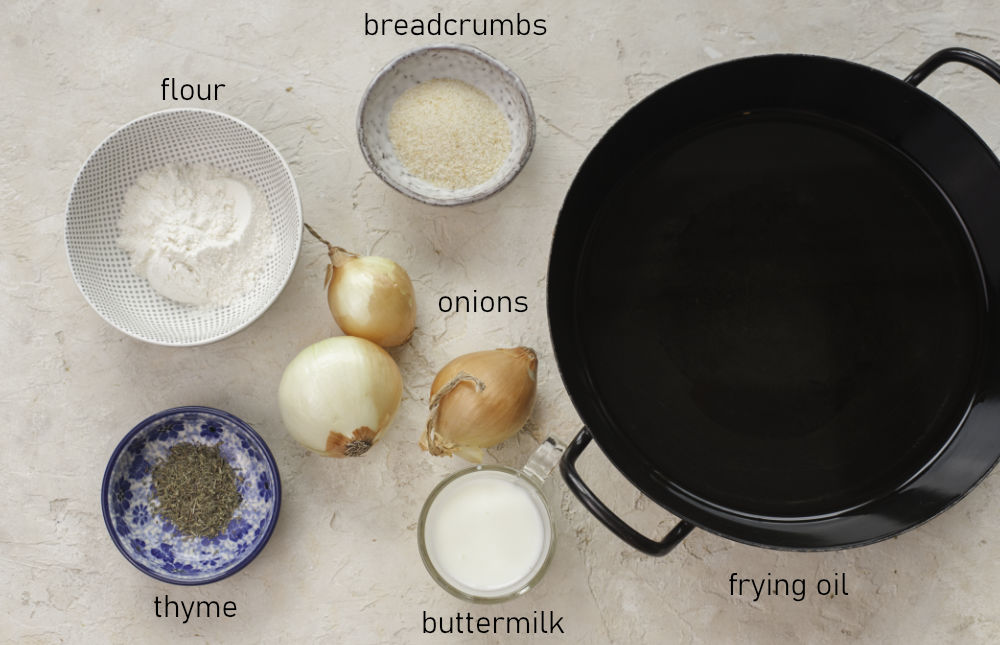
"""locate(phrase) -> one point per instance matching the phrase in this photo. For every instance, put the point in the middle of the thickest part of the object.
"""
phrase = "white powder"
(199, 235)
(449, 133)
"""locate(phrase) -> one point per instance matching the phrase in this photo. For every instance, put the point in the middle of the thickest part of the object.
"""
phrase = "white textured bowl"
(459, 62)
(102, 269)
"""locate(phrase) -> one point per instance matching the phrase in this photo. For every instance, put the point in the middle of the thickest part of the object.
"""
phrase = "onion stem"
(339, 256)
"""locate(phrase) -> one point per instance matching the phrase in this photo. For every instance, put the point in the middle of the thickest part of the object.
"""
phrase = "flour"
(200, 236)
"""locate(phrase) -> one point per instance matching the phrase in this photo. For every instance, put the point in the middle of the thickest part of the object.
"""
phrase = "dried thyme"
(196, 489)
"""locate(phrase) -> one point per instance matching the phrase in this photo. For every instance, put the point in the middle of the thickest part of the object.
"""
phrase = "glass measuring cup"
(485, 533)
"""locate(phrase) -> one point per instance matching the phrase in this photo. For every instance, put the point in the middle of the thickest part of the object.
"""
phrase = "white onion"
(338, 395)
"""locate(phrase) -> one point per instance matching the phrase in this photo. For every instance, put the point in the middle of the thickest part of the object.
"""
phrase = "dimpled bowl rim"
(251, 435)
(483, 56)
(265, 307)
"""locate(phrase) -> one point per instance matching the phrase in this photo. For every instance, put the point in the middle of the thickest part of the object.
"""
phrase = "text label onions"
(370, 297)
(338, 395)
(479, 400)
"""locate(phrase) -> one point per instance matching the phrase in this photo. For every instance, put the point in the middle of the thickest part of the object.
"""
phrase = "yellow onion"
(339, 395)
(479, 400)
(370, 297)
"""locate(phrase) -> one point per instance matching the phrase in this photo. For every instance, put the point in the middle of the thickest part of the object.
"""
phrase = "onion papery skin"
(470, 419)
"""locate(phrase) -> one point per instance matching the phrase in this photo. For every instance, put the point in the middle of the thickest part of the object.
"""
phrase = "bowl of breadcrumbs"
(446, 124)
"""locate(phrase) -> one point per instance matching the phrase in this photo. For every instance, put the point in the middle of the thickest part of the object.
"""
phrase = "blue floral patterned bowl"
(152, 543)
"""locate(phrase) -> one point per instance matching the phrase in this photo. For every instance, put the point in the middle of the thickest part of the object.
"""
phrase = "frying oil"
(486, 533)
(810, 314)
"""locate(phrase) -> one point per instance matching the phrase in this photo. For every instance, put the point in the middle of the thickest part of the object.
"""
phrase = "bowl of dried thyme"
(191, 495)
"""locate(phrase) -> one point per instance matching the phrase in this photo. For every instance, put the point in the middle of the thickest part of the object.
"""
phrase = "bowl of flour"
(183, 227)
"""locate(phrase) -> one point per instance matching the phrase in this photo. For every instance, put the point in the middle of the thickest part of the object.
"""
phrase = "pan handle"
(632, 537)
(954, 55)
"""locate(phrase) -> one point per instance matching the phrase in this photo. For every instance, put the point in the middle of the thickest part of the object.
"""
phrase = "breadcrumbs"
(449, 133)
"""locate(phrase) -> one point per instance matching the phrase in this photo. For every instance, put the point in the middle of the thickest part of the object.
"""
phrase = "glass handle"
(544, 460)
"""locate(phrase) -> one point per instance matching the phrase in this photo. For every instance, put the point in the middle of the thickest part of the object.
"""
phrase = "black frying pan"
(770, 297)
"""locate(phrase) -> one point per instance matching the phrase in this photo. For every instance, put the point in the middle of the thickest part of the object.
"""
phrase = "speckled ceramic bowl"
(103, 270)
(152, 543)
(463, 63)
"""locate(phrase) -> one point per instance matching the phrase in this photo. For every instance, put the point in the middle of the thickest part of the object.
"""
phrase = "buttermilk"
(539, 622)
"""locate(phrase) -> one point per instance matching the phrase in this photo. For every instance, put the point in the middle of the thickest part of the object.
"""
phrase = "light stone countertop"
(342, 566)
